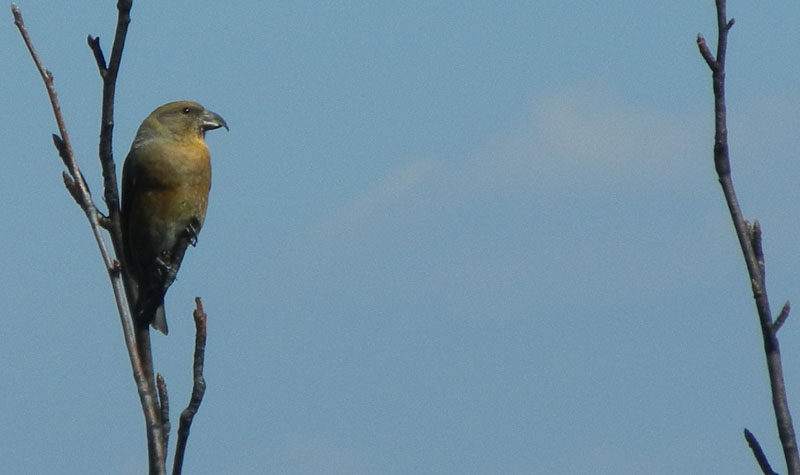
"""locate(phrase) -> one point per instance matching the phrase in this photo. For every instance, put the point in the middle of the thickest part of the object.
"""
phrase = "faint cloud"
(390, 189)
(394, 187)
(582, 140)
(584, 134)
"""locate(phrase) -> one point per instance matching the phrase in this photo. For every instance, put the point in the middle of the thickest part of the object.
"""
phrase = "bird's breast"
(173, 165)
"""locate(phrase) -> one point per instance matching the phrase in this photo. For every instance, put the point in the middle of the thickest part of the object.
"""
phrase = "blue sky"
(443, 237)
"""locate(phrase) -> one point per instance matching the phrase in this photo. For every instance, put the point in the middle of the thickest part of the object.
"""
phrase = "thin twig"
(748, 241)
(80, 192)
(198, 390)
(782, 317)
(163, 399)
(63, 145)
(108, 73)
(109, 76)
(758, 250)
(758, 453)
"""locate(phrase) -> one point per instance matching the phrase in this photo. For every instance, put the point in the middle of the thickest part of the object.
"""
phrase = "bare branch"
(758, 453)
(749, 241)
(758, 250)
(94, 44)
(108, 73)
(199, 389)
(782, 317)
(155, 436)
(109, 76)
(163, 399)
(706, 53)
(80, 192)
(63, 143)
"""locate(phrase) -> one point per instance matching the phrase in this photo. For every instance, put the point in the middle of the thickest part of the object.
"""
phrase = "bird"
(166, 179)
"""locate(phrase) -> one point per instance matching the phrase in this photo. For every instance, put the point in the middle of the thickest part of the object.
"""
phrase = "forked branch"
(77, 187)
(750, 243)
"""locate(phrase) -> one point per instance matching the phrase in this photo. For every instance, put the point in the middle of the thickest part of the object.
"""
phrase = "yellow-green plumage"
(165, 184)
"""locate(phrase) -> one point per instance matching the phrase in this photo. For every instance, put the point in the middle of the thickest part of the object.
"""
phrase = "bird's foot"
(164, 263)
(192, 229)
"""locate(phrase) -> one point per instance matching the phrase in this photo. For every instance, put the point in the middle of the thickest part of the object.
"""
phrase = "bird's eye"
(186, 110)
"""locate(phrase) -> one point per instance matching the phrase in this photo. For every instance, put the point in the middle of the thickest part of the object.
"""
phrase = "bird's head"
(185, 120)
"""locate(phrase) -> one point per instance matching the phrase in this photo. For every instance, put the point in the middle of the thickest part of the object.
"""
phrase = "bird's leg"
(168, 261)
(162, 274)
(163, 263)
(167, 269)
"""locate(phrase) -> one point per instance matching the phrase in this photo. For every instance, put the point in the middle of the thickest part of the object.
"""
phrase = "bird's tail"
(151, 311)
(160, 319)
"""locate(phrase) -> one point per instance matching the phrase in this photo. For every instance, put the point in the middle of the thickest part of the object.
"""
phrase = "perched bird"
(165, 183)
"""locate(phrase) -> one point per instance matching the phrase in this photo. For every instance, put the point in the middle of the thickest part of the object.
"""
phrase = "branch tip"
(97, 51)
(68, 181)
(59, 143)
(749, 238)
(754, 232)
(199, 388)
(163, 400)
(782, 317)
(706, 53)
(17, 15)
(73, 188)
(758, 453)
(199, 314)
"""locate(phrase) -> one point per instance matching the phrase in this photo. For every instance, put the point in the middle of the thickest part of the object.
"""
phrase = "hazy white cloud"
(570, 137)
(579, 134)
(394, 187)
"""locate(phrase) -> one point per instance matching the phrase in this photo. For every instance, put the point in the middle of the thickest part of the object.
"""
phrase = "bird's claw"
(192, 230)
(164, 263)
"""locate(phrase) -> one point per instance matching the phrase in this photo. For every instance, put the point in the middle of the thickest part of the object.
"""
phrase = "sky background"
(443, 237)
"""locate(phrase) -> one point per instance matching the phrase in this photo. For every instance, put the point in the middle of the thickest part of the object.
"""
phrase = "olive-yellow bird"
(165, 183)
